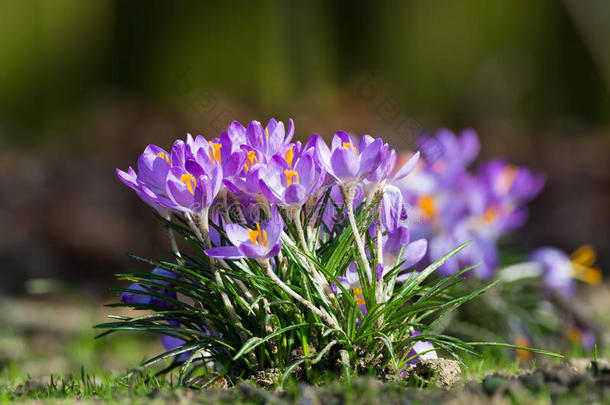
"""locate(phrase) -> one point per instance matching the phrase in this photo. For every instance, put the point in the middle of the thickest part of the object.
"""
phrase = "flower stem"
(172, 238)
(321, 313)
(204, 227)
(348, 199)
(296, 217)
(380, 286)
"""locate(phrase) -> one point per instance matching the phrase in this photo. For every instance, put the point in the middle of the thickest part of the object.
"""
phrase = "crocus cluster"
(252, 179)
(560, 270)
(449, 204)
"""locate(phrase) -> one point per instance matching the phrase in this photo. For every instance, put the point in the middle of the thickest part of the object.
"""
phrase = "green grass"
(93, 383)
(59, 367)
(86, 388)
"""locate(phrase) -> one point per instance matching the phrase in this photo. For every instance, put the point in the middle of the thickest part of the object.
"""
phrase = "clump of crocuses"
(288, 257)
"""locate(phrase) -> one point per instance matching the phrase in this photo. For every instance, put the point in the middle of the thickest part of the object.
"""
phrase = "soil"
(443, 372)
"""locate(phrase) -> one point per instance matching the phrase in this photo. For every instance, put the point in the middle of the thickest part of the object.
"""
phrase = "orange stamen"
(214, 152)
(358, 296)
(164, 156)
(427, 205)
(190, 182)
(582, 260)
(522, 354)
(348, 145)
(507, 178)
(291, 174)
(490, 214)
(290, 156)
(575, 334)
(251, 159)
(258, 237)
(253, 234)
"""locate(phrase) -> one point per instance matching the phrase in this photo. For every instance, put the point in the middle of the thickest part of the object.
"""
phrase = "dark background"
(85, 85)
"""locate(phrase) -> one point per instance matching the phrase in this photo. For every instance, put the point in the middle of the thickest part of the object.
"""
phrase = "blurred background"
(85, 85)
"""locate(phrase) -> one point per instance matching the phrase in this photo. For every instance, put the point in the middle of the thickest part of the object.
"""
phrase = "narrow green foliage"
(235, 319)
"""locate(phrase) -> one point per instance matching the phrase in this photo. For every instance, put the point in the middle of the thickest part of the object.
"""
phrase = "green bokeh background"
(84, 85)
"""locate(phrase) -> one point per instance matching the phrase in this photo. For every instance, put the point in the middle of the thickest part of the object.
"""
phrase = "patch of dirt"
(443, 372)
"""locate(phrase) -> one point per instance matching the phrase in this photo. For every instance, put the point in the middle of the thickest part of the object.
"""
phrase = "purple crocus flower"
(222, 151)
(171, 343)
(346, 162)
(260, 242)
(449, 205)
(149, 183)
(420, 346)
(557, 269)
(194, 186)
(517, 185)
(141, 293)
(412, 253)
(290, 185)
(269, 140)
(351, 282)
(561, 271)
(451, 154)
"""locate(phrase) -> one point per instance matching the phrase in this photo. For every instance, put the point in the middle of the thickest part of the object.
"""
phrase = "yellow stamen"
(190, 182)
(251, 159)
(584, 255)
(253, 234)
(522, 354)
(348, 145)
(267, 133)
(164, 156)
(291, 174)
(258, 237)
(427, 205)
(358, 296)
(290, 156)
(507, 178)
(214, 152)
(490, 214)
(575, 334)
(589, 275)
(582, 260)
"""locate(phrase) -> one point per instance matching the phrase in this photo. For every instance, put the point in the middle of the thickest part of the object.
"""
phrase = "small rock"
(580, 364)
(444, 372)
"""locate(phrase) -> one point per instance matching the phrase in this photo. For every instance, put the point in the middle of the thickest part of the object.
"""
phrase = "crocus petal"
(274, 250)
(203, 193)
(393, 244)
(322, 151)
(237, 234)
(179, 193)
(225, 252)
(414, 252)
(253, 251)
(371, 157)
(270, 193)
(237, 133)
(290, 132)
(407, 167)
(255, 135)
(469, 145)
(295, 194)
(140, 295)
(344, 164)
(273, 226)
